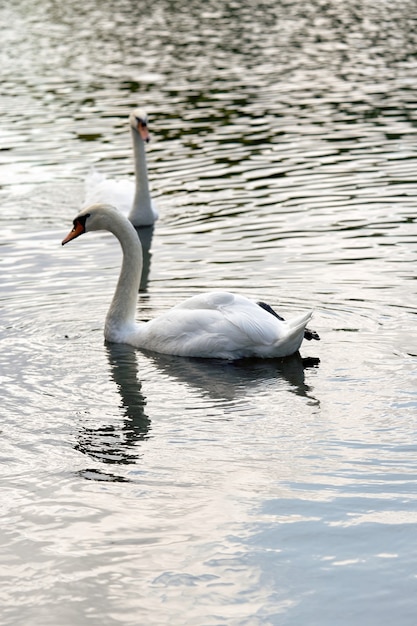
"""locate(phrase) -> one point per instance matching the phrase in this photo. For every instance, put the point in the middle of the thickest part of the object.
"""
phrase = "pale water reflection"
(145, 489)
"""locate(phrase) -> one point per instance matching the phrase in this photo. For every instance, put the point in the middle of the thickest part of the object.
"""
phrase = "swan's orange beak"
(143, 132)
(76, 232)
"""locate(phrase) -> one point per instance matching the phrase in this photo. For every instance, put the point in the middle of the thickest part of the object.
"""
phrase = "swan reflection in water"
(145, 234)
(117, 443)
(227, 380)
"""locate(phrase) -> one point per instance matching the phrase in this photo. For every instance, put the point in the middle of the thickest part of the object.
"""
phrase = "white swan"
(133, 198)
(212, 325)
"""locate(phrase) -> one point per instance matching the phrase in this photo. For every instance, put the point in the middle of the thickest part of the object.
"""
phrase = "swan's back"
(99, 190)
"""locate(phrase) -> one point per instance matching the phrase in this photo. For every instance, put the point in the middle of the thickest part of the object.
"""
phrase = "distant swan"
(212, 325)
(132, 198)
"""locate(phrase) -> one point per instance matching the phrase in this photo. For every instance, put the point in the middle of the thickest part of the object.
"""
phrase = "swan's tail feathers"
(295, 334)
(304, 319)
(300, 321)
(308, 334)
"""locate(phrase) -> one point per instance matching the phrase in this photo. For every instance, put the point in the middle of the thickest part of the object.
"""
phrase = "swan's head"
(139, 122)
(94, 217)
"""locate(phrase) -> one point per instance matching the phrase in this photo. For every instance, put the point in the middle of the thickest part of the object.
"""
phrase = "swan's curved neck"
(142, 198)
(122, 311)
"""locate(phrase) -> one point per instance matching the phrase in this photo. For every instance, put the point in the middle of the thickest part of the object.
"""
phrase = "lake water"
(140, 489)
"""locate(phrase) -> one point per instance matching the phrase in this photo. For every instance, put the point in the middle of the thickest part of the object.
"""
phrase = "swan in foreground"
(132, 198)
(211, 325)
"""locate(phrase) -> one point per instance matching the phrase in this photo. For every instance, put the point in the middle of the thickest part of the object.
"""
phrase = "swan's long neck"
(141, 212)
(122, 311)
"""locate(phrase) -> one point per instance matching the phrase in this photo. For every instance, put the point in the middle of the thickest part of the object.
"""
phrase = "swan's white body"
(132, 198)
(212, 325)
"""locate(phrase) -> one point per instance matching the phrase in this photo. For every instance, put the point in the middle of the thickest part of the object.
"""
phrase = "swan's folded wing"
(255, 325)
(186, 332)
(235, 317)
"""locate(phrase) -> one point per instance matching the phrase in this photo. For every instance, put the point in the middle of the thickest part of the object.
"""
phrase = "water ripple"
(283, 162)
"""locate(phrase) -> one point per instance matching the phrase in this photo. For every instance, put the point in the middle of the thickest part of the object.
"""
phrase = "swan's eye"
(141, 122)
(80, 222)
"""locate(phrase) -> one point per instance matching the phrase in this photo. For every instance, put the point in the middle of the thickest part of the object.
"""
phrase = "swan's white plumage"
(203, 329)
(119, 193)
(212, 325)
(131, 197)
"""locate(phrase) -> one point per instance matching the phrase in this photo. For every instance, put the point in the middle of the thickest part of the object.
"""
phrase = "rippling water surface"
(146, 489)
